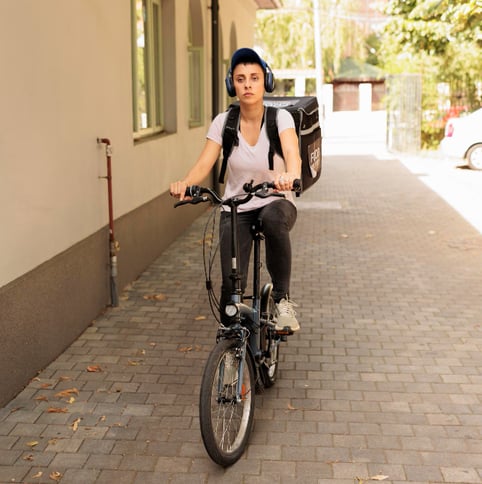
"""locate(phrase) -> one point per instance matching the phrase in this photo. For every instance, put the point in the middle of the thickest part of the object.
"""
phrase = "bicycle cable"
(210, 249)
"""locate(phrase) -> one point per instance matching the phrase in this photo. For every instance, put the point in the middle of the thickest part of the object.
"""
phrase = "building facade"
(138, 74)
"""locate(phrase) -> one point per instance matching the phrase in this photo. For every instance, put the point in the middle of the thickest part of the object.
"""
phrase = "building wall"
(66, 80)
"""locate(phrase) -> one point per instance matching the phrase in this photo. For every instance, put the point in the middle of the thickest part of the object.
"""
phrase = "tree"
(442, 40)
(287, 35)
(432, 25)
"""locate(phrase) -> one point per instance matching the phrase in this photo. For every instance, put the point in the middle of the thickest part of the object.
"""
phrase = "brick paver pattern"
(383, 382)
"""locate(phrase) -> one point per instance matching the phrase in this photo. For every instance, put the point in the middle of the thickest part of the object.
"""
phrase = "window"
(195, 56)
(147, 67)
(195, 86)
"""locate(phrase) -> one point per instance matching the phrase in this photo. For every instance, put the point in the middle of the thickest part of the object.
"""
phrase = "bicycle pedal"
(286, 331)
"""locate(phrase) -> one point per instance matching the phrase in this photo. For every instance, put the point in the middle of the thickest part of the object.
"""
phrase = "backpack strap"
(230, 137)
(273, 135)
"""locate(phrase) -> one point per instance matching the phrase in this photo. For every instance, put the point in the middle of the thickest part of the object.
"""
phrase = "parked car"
(463, 139)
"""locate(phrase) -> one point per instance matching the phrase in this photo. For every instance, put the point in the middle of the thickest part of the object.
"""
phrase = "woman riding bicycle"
(248, 78)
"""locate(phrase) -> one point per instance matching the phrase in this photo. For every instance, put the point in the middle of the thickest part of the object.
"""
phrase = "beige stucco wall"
(66, 80)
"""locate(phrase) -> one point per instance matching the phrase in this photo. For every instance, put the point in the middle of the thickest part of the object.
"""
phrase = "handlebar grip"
(297, 185)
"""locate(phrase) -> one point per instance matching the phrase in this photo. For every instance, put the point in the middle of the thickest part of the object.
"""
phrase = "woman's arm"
(201, 169)
(291, 155)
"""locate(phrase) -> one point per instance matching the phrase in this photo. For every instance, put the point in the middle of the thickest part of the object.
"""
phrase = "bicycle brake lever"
(192, 201)
(198, 199)
(269, 194)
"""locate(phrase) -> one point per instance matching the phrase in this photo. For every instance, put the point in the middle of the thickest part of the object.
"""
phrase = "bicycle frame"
(245, 357)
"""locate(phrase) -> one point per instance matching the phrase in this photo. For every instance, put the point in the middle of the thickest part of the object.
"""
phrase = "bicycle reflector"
(231, 310)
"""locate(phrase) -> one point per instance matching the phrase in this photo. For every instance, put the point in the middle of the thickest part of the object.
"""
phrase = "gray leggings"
(277, 218)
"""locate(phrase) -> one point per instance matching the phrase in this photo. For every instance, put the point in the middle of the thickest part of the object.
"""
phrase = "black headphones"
(268, 79)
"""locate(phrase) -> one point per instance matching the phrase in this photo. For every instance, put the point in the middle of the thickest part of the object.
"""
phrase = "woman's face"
(248, 80)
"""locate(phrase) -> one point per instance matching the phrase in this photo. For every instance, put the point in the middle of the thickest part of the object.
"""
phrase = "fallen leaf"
(290, 407)
(65, 378)
(45, 385)
(94, 369)
(67, 393)
(378, 477)
(344, 236)
(71, 400)
(38, 475)
(185, 349)
(55, 476)
(75, 424)
(32, 443)
(134, 362)
(199, 318)
(42, 398)
(57, 410)
(156, 297)
(28, 457)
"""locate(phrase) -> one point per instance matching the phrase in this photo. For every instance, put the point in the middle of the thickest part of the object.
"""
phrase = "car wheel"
(474, 157)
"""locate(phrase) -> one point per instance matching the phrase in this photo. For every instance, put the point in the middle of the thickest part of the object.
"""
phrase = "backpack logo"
(314, 156)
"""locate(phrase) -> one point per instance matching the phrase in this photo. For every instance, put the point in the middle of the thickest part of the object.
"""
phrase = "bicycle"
(246, 355)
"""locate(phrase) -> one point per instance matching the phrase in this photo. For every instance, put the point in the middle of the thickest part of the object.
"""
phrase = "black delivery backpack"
(305, 113)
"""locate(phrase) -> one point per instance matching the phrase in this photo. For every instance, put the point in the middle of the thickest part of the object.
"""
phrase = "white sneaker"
(285, 316)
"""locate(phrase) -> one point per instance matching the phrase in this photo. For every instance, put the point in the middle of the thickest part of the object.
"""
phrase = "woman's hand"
(285, 181)
(178, 189)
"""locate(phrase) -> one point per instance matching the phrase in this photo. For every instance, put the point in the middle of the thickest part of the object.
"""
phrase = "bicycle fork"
(231, 370)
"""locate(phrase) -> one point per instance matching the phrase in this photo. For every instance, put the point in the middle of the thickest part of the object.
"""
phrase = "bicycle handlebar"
(198, 194)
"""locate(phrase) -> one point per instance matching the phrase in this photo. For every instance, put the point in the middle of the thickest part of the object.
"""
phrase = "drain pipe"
(113, 244)
(215, 74)
(215, 56)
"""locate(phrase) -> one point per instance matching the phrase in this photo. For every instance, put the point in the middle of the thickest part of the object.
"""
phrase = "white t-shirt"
(248, 162)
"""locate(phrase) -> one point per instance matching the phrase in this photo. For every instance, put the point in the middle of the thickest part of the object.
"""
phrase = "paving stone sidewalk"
(383, 383)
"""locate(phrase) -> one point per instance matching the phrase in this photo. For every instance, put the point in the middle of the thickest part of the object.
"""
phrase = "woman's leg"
(278, 218)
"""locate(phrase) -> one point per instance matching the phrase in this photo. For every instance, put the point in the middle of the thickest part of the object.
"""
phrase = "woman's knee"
(278, 215)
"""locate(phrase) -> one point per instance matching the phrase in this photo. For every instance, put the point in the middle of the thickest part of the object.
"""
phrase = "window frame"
(153, 75)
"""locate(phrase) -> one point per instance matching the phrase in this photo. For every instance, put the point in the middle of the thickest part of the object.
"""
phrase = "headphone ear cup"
(269, 79)
(229, 84)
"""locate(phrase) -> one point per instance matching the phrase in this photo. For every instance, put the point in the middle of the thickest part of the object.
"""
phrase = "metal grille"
(404, 109)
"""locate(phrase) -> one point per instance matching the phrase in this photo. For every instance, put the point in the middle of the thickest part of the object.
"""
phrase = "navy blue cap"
(246, 56)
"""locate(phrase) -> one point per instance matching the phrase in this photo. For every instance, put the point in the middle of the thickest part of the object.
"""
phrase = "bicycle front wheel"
(226, 416)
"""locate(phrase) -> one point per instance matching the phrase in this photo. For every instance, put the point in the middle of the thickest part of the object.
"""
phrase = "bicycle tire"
(225, 423)
(269, 344)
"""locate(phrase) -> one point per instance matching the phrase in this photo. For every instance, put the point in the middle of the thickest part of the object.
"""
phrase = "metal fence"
(404, 112)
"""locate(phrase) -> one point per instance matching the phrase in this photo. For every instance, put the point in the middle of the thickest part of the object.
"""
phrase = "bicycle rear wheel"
(269, 343)
(225, 422)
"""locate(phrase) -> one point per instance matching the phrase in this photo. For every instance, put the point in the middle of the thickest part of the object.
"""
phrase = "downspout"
(215, 72)
(215, 56)
(113, 244)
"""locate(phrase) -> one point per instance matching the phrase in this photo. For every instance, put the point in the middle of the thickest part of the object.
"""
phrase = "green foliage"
(287, 35)
(441, 40)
